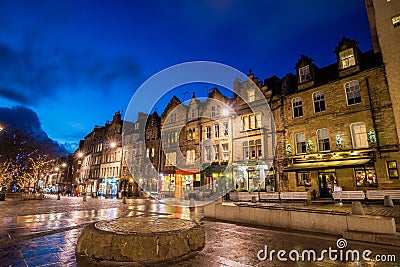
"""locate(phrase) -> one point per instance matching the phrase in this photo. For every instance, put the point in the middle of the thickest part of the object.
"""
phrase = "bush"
(242, 190)
(260, 189)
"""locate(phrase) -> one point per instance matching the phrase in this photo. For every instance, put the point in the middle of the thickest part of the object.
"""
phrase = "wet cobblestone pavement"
(45, 232)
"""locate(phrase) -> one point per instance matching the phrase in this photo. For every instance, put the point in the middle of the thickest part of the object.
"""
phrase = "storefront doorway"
(327, 181)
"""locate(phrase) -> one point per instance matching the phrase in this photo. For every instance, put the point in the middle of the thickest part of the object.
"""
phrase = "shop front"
(253, 177)
(108, 187)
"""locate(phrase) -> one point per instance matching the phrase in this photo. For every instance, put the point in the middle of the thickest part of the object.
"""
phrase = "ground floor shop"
(254, 177)
(377, 171)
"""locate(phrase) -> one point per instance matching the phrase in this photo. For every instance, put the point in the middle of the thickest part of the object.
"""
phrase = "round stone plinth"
(140, 239)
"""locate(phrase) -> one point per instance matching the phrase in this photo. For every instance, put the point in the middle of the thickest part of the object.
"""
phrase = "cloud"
(37, 73)
(27, 121)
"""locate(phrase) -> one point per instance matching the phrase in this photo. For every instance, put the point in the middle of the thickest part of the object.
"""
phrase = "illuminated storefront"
(108, 187)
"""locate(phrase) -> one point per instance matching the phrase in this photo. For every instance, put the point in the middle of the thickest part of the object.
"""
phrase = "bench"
(26, 196)
(380, 194)
(348, 195)
(244, 196)
(293, 195)
(265, 196)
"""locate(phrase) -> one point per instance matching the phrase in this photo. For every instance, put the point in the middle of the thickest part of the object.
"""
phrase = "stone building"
(173, 120)
(152, 166)
(384, 20)
(189, 143)
(216, 141)
(340, 125)
(98, 160)
(254, 138)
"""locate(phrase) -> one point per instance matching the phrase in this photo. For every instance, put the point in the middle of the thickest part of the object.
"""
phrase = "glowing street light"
(113, 145)
(64, 165)
(80, 155)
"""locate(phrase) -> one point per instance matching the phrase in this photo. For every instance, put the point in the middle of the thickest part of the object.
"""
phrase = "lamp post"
(57, 169)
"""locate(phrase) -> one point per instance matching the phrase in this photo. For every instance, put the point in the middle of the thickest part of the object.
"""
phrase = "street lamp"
(57, 169)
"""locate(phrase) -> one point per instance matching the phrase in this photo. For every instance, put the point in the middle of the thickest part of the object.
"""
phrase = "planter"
(244, 196)
(233, 196)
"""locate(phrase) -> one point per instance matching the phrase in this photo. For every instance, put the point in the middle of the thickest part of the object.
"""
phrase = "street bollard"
(58, 196)
(192, 204)
(84, 197)
(356, 208)
(388, 202)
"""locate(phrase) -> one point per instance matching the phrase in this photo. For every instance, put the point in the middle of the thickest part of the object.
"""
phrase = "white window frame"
(347, 58)
(304, 74)
(319, 97)
(208, 132)
(225, 151)
(359, 139)
(300, 138)
(352, 85)
(216, 130)
(323, 134)
(296, 101)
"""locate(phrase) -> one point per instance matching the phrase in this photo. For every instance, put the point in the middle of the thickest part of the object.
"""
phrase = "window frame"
(296, 143)
(304, 74)
(344, 56)
(298, 107)
(396, 24)
(322, 139)
(320, 101)
(346, 93)
(353, 135)
(396, 169)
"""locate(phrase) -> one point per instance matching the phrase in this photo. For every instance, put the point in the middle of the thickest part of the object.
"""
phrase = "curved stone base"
(140, 239)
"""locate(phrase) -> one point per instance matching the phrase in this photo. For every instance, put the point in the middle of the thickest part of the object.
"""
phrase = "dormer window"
(396, 21)
(346, 58)
(304, 74)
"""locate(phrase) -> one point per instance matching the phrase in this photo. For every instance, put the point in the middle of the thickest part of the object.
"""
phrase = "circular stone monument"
(140, 239)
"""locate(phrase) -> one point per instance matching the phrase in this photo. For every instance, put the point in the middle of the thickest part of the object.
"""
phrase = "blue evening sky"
(77, 62)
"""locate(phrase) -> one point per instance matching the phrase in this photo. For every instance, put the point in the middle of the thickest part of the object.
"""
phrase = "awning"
(326, 164)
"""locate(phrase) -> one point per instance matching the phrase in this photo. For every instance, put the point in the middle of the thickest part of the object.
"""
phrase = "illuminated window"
(216, 152)
(251, 95)
(225, 126)
(259, 148)
(208, 132)
(300, 139)
(392, 169)
(319, 101)
(359, 135)
(304, 74)
(297, 104)
(207, 153)
(353, 93)
(396, 21)
(170, 159)
(225, 151)
(346, 58)
(216, 131)
(366, 175)
(323, 140)
(245, 122)
(190, 157)
(303, 178)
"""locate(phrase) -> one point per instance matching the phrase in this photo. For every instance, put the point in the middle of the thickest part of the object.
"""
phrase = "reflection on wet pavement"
(44, 233)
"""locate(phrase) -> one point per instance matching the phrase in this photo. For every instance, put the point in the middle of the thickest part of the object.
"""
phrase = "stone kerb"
(140, 239)
(302, 219)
